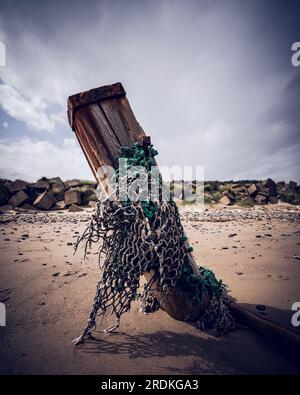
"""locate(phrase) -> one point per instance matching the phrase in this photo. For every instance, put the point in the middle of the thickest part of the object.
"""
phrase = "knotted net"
(142, 235)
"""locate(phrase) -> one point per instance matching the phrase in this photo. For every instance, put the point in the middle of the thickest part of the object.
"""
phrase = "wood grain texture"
(103, 130)
(83, 147)
(93, 138)
(102, 127)
(93, 147)
(122, 120)
(92, 96)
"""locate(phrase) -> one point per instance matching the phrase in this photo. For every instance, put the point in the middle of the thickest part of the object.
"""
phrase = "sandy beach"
(48, 291)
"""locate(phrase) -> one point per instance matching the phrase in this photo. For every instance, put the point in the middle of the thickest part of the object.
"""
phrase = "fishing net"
(140, 232)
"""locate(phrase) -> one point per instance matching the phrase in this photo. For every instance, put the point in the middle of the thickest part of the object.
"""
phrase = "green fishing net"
(145, 235)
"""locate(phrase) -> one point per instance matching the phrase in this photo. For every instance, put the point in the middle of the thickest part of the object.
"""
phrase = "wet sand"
(48, 294)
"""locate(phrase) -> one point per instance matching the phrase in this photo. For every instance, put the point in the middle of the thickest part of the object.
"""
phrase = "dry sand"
(48, 293)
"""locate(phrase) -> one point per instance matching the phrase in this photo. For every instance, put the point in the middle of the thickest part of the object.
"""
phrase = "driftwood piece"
(103, 121)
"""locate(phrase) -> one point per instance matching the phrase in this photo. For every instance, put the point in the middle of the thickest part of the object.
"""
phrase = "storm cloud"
(211, 81)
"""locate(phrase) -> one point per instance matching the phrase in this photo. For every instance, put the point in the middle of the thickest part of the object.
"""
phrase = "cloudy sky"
(210, 80)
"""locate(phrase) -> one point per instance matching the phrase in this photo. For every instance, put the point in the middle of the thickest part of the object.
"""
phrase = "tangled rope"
(138, 236)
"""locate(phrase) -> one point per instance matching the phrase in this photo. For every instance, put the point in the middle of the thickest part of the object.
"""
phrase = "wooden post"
(103, 121)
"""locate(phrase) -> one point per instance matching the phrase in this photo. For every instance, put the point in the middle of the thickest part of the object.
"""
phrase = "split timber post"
(103, 121)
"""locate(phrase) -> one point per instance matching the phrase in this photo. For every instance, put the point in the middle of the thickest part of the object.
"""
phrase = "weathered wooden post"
(103, 121)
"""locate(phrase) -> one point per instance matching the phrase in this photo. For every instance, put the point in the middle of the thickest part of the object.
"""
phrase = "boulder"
(262, 189)
(92, 204)
(93, 185)
(6, 207)
(247, 201)
(44, 201)
(58, 189)
(273, 200)
(72, 183)
(73, 196)
(252, 190)
(271, 185)
(18, 199)
(89, 195)
(59, 205)
(229, 194)
(33, 192)
(238, 189)
(225, 200)
(74, 208)
(16, 186)
(260, 198)
(293, 185)
(54, 180)
(280, 185)
(4, 194)
(211, 186)
(40, 186)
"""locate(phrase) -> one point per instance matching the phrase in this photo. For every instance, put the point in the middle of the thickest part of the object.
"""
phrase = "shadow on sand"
(230, 353)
